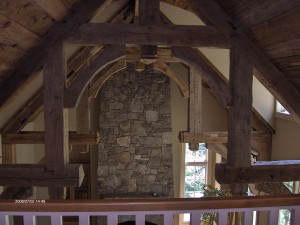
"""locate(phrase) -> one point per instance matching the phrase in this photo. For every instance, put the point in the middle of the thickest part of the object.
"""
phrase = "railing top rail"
(155, 204)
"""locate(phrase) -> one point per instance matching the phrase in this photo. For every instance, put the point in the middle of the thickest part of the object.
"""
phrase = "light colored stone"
(138, 130)
(137, 157)
(132, 185)
(122, 157)
(167, 138)
(123, 141)
(151, 116)
(136, 105)
(116, 105)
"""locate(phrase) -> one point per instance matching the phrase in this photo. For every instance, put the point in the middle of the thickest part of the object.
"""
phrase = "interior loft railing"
(111, 209)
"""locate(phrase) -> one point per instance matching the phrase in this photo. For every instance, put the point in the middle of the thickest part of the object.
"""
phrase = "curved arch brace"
(74, 91)
(194, 58)
(164, 68)
(95, 87)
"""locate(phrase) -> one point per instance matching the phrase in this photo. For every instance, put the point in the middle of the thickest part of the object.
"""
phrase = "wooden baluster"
(140, 219)
(273, 216)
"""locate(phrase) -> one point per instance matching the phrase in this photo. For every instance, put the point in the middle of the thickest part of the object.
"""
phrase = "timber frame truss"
(109, 47)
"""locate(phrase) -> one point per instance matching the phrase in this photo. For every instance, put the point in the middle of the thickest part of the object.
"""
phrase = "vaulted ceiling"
(267, 33)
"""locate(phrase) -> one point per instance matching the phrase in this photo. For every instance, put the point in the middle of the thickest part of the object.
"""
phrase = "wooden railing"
(85, 209)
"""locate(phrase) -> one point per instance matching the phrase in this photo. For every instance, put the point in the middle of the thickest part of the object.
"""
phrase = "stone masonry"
(135, 152)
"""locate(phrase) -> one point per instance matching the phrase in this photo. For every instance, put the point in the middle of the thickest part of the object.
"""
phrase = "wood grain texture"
(78, 85)
(38, 137)
(174, 35)
(270, 76)
(81, 13)
(103, 76)
(55, 116)
(54, 8)
(28, 175)
(226, 174)
(240, 115)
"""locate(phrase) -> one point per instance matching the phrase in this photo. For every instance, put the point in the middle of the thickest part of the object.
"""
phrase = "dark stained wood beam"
(17, 193)
(28, 175)
(55, 116)
(226, 174)
(269, 75)
(212, 77)
(149, 14)
(220, 137)
(240, 116)
(173, 35)
(38, 137)
(73, 92)
(80, 13)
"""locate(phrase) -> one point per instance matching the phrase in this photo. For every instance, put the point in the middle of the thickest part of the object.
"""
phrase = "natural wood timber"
(269, 75)
(240, 115)
(273, 188)
(226, 174)
(221, 149)
(103, 76)
(83, 120)
(155, 204)
(168, 71)
(173, 35)
(17, 193)
(27, 175)
(75, 89)
(164, 54)
(9, 153)
(149, 14)
(217, 137)
(80, 13)
(212, 77)
(55, 116)
(27, 113)
(38, 137)
(195, 106)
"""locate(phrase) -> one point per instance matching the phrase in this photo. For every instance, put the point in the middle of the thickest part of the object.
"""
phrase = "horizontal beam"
(28, 175)
(220, 137)
(226, 174)
(38, 137)
(168, 35)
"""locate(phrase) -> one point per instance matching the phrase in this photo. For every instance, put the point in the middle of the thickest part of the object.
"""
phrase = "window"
(195, 173)
(281, 109)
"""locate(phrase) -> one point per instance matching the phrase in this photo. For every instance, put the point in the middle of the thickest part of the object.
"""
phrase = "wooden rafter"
(75, 89)
(173, 35)
(270, 76)
(80, 13)
(210, 74)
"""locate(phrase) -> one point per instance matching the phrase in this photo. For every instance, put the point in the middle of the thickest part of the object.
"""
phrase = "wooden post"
(240, 116)
(148, 14)
(195, 106)
(56, 133)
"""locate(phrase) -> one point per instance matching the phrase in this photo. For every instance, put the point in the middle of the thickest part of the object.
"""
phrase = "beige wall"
(286, 141)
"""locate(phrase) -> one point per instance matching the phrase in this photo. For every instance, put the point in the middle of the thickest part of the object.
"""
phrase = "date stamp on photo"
(30, 201)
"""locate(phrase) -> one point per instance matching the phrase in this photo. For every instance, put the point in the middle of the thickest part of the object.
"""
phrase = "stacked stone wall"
(135, 152)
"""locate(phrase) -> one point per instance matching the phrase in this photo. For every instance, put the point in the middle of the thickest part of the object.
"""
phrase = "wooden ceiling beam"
(269, 75)
(226, 174)
(80, 13)
(220, 137)
(73, 92)
(28, 175)
(38, 137)
(173, 35)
